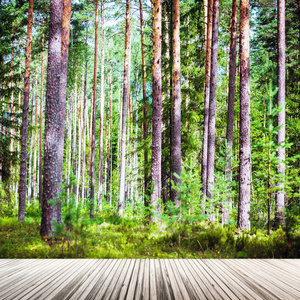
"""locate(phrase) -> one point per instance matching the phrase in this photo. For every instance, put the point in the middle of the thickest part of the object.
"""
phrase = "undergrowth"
(107, 236)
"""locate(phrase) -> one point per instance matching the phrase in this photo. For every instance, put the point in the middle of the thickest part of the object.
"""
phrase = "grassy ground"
(115, 238)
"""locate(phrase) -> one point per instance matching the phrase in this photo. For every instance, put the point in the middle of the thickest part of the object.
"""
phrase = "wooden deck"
(149, 279)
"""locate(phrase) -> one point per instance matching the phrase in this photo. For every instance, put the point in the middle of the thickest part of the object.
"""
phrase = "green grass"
(116, 238)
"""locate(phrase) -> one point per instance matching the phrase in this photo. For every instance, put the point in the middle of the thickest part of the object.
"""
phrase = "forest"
(150, 129)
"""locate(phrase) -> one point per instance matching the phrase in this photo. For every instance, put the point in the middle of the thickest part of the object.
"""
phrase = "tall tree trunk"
(206, 100)
(245, 147)
(109, 143)
(279, 215)
(269, 164)
(176, 96)
(156, 109)
(166, 128)
(102, 97)
(35, 143)
(92, 168)
(145, 125)
(230, 110)
(126, 87)
(41, 126)
(66, 17)
(84, 116)
(212, 106)
(12, 106)
(29, 187)
(24, 131)
(50, 186)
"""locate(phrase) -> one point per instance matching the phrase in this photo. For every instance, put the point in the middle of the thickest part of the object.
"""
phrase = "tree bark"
(84, 116)
(35, 143)
(24, 131)
(102, 98)
(230, 110)
(145, 125)
(279, 206)
(66, 17)
(92, 168)
(156, 109)
(41, 127)
(126, 85)
(176, 97)
(245, 147)
(206, 100)
(50, 190)
(212, 105)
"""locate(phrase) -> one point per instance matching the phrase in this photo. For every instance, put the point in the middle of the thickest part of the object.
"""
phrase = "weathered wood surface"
(149, 279)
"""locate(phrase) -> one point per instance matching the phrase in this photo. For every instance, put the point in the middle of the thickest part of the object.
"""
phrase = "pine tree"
(156, 108)
(50, 185)
(24, 132)
(245, 147)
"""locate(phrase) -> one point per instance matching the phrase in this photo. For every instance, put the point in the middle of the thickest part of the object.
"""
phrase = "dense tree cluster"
(194, 100)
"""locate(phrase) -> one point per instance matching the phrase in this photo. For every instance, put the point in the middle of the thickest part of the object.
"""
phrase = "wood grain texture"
(149, 279)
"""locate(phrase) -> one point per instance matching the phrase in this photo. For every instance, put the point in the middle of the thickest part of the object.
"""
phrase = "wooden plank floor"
(149, 279)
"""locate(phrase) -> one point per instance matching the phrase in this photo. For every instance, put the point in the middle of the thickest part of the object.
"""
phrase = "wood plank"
(107, 280)
(89, 283)
(176, 280)
(47, 286)
(193, 279)
(226, 292)
(125, 286)
(27, 283)
(258, 283)
(163, 289)
(182, 280)
(133, 281)
(110, 267)
(282, 288)
(89, 267)
(113, 282)
(152, 286)
(140, 280)
(238, 287)
(24, 275)
(146, 281)
(128, 267)
(150, 279)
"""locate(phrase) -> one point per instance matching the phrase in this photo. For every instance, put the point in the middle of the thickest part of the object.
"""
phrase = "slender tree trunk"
(66, 17)
(41, 127)
(145, 125)
(109, 145)
(126, 87)
(29, 187)
(245, 147)
(230, 111)
(78, 169)
(24, 131)
(212, 106)
(206, 100)
(50, 186)
(269, 165)
(19, 95)
(92, 168)
(166, 128)
(156, 108)
(279, 206)
(84, 116)
(12, 106)
(176, 96)
(35, 143)
(102, 98)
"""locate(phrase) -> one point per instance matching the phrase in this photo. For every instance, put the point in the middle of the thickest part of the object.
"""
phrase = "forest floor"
(116, 238)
